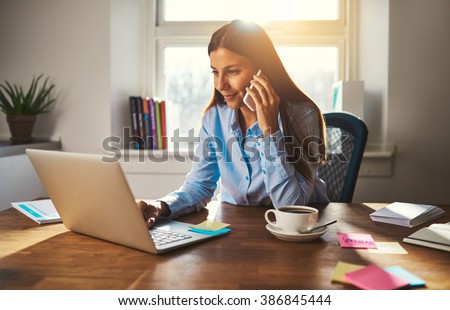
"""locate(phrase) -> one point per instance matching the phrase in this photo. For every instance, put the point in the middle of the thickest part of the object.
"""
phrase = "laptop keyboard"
(163, 237)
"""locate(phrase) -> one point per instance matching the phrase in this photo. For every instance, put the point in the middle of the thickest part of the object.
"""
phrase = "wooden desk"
(51, 257)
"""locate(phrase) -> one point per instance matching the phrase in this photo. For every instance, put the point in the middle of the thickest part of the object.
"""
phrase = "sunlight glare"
(255, 10)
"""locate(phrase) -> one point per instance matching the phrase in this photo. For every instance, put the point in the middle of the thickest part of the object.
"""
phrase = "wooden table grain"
(49, 256)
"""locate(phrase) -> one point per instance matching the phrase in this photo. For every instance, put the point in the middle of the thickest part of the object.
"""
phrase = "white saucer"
(295, 237)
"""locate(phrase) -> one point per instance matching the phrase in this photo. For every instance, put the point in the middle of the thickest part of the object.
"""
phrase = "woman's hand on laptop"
(152, 211)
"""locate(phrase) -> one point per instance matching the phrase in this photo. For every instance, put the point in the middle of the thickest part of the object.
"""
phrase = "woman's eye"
(214, 72)
(233, 72)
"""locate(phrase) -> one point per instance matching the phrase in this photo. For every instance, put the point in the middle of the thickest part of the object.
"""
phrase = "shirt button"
(262, 153)
(246, 177)
(264, 171)
(258, 144)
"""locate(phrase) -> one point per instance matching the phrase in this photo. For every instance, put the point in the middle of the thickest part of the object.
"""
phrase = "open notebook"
(436, 236)
(92, 197)
(407, 214)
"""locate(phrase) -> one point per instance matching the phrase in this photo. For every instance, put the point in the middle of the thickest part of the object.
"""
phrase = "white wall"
(415, 96)
(419, 92)
(128, 58)
(18, 181)
(69, 41)
(94, 51)
(373, 64)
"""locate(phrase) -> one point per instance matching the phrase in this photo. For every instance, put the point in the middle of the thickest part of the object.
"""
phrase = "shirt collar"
(253, 131)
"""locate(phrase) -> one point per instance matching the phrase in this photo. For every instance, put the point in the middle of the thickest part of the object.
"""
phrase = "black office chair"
(346, 136)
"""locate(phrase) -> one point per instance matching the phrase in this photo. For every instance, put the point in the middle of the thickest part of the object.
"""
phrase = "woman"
(267, 157)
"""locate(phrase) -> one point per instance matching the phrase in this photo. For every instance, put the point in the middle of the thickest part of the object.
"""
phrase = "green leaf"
(36, 100)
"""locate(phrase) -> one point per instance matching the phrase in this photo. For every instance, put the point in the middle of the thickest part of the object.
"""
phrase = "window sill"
(8, 149)
(377, 161)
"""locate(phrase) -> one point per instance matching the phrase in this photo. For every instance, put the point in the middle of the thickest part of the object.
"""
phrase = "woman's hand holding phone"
(248, 100)
(262, 98)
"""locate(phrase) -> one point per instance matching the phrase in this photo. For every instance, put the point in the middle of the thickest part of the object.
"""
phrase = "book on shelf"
(163, 124)
(148, 122)
(154, 144)
(406, 214)
(140, 121)
(144, 112)
(158, 123)
(134, 121)
(436, 236)
(147, 137)
(41, 211)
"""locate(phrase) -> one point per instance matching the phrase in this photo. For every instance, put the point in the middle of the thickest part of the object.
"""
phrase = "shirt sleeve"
(284, 184)
(200, 183)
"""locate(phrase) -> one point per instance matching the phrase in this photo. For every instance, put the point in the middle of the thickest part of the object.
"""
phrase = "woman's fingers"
(148, 211)
(267, 104)
(266, 93)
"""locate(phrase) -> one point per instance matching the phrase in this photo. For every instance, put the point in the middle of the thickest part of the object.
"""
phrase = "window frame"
(337, 33)
(340, 21)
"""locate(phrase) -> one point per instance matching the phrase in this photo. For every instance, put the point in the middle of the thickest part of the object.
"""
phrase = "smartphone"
(248, 100)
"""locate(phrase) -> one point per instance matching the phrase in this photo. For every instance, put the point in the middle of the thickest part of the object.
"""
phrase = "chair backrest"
(346, 136)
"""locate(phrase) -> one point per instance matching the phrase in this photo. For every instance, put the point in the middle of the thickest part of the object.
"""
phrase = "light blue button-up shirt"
(253, 170)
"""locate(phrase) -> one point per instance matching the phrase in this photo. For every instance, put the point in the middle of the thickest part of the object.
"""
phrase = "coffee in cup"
(293, 219)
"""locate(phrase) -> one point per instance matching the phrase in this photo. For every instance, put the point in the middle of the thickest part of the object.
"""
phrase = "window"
(310, 37)
(272, 10)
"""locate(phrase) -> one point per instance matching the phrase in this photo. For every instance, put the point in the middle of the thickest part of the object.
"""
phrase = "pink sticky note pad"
(364, 241)
(373, 277)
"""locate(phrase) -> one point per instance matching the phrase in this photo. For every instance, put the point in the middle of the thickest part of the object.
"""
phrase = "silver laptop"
(93, 198)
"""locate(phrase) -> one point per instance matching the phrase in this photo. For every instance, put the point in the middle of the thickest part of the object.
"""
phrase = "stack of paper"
(211, 228)
(40, 211)
(406, 214)
(436, 236)
(373, 277)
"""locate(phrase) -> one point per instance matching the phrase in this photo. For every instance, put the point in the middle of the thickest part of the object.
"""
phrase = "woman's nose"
(221, 82)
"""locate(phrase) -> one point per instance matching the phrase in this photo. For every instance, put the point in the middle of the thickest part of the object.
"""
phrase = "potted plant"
(21, 108)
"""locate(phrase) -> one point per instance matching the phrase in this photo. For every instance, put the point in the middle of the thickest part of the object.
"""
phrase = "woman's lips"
(228, 97)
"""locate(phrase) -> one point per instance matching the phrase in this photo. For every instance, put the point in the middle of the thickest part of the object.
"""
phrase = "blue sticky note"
(32, 212)
(405, 275)
(209, 232)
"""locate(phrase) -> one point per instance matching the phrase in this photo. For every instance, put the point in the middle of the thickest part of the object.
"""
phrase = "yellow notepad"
(341, 269)
(210, 225)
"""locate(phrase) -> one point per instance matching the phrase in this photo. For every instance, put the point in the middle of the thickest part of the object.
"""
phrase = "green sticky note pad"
(209, 232)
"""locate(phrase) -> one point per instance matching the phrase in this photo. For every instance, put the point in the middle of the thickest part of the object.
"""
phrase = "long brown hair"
(250, 40)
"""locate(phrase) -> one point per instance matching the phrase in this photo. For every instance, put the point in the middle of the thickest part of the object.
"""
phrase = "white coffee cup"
(293, 219)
